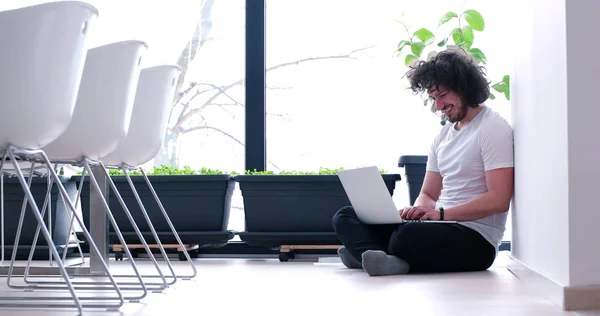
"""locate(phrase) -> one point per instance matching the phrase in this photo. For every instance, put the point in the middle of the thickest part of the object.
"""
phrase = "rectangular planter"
(414, 168)
(13, 201)
(198, 206)
(294, 209)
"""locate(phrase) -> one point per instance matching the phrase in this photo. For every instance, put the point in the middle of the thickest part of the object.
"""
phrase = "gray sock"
(347, 259)
(378, 263)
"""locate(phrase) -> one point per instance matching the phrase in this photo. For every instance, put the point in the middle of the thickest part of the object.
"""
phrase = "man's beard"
(460, 114)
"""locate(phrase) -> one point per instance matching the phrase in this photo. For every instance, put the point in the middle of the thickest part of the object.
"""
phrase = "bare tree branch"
(185, 92)
(297, 62)
(189, 52)
(228, 135)
(197, 128)
(209, 102)
(188, 116)
(224, 105)
(222, 90)
(283, 116)
(198, 39)
(278, 88)
(224, 108)
(186, 57)
(274, 165)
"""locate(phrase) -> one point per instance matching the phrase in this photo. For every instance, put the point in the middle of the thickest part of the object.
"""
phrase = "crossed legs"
(410, 247)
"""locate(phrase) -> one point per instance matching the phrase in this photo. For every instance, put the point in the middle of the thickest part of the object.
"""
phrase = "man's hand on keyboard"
(416, 212)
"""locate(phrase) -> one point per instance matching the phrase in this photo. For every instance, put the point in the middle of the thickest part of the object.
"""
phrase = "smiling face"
(449, 103)
(454, 82)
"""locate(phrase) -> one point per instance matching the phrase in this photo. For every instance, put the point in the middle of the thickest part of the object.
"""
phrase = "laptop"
(370, 197)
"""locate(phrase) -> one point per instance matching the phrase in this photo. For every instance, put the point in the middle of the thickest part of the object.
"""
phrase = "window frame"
(255, 90)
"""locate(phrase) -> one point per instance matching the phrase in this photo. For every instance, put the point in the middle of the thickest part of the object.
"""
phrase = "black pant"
(427, 247)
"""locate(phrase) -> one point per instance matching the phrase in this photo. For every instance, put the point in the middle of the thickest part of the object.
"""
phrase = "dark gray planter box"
(198, 206)
(293, 209)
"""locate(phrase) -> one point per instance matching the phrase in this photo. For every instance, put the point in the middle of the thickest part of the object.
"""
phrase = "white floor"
(301, 287)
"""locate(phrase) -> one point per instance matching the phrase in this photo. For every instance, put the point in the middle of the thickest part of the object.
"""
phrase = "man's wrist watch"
(441, 209)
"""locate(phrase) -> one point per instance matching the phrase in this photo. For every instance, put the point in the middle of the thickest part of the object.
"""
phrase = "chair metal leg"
(173, 230)
(132, 286)
(47, 203)
(134, 225)
(19, 229)
(155, 234)
(52, 246)
(10, 301)
(35, 238)
(72, 223)
(96, 285)
(151, 226)
(47, 206)
(23, 210)
(72, 230)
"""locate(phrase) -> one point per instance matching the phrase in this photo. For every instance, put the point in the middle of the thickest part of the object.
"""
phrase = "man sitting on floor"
(469, 179)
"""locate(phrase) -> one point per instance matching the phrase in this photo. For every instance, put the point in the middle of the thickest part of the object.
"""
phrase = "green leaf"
(401, 46)
(447, 17)
(424, 34)
(417, 48)
(500, 87)
(506, 82)
(474, 19)
(467, 35)
(457, 36)
(478, 54)
(443, 42)
(409, 59)
(492, 96)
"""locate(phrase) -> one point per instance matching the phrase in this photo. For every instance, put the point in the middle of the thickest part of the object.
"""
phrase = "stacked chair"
(65, 104)
(145, 138)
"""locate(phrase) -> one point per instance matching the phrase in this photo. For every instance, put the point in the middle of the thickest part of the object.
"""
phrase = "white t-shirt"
(462, 158)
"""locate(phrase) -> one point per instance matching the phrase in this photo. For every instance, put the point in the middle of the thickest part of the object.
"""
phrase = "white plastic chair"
(41, 65)
(104, 104)
(145, 138)
(100, 122)
(148, 125)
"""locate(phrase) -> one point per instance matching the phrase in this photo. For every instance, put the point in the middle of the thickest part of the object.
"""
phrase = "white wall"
(556, 146)
(539, 100)
(583, 45)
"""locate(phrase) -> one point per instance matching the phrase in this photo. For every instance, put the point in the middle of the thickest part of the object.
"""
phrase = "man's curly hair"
(456, 71)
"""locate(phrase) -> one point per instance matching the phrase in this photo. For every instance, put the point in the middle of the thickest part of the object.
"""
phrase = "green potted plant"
(294, 208)
(457, 31)
(197, 201)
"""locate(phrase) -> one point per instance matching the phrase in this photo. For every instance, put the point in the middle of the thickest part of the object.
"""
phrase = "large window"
(207, 38)
(210, 118)
(335, 91)
(336, 95)
(208, 123)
